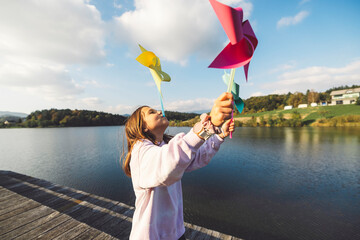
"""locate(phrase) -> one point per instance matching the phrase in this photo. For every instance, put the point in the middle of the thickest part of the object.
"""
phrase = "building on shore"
(345, 96)
(303, 105)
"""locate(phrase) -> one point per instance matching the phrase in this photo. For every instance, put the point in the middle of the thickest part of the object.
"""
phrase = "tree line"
(279, 101)
(69, 118)
(77, 118)
(72, 118)
(273, 121)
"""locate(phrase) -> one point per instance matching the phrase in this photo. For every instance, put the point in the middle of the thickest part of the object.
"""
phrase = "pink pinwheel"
(243, 41)
(239, 51)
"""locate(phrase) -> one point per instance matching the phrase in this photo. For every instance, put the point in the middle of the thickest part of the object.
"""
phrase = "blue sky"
(80, 54)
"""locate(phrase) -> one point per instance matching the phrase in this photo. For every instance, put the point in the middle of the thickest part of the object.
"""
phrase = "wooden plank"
(16, 199)
(21, 177)
(194, 232)
(205, 234)
(10, 195)
(88, 234)
(23, 218)
(91, 215)
(5, 193)
(17, 209)
(16, 186)
(73, 232)
(215, 235)
(40, 182)
(104, 236)
(58, 230)
(21, 189)
(39, 194)
(43, 228)
(113, 224)
(67, 213)
(124, 209)
(120, 228)
(101, 220)
(6, 181)
(29, 226)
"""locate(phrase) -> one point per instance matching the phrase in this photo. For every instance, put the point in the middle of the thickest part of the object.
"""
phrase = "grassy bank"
(339, 115)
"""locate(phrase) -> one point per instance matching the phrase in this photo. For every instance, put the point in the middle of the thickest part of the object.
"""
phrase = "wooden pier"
(32, 208)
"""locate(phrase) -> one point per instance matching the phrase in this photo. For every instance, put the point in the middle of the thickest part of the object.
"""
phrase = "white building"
(346, 96)
(302, 106)
(288, 107)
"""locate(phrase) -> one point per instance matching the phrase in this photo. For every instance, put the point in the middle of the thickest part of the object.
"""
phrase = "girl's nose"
(159, 112)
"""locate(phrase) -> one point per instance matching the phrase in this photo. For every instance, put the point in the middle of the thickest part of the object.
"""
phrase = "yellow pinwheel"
(150, 60)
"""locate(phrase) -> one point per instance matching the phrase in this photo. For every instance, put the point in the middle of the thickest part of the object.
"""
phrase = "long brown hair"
(135, 131)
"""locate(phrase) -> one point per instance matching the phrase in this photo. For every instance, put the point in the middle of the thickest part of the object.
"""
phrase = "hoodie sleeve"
(164, 165)
(205, 153)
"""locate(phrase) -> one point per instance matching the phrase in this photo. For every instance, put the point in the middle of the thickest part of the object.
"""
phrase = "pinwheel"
(239, 51)
(150, 60)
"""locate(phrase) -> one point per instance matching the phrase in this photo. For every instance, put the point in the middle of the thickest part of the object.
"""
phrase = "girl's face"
(155, 122)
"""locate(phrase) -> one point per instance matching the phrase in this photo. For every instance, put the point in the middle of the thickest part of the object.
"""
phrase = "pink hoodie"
(156, 173)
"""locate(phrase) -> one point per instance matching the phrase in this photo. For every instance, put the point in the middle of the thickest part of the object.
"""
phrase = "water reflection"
(265, 183)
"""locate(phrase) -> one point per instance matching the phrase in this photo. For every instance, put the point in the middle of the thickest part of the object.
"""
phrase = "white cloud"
(246, 6)
(92, 101)
(257, 94)
(284, 67)
(319, 78)
(287, 21)
(193, 105)
(304, 1)
(94, 84)
(121, 109)
(174, 29)
(150, 83)
(51, 81)
(117, 5)
(39, 40)
(67, 31)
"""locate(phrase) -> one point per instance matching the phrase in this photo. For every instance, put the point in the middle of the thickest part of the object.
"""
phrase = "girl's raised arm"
(153, 166)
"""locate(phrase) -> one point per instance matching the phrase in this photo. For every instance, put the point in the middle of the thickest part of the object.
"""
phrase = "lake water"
(265, 183)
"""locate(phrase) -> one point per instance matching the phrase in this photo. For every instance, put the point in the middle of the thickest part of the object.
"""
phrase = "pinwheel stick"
(162, 106)
(231, 82)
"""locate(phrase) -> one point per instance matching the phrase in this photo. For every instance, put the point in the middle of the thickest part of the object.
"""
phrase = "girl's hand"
(227, 127)
(222, 109)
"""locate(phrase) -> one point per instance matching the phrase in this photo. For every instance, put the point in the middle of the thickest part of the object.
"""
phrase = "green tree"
(323, 113)
(296, 119)
(296, 99)
(313, 97)
(271, 121)
(262, 121)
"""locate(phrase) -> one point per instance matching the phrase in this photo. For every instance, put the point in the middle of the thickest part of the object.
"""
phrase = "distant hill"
(179, 116)
(338, 115)
(13, 114)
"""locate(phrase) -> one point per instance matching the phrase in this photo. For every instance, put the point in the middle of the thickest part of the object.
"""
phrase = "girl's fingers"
(225, 96)
(227, 122)
(226, 103)
(226, 110)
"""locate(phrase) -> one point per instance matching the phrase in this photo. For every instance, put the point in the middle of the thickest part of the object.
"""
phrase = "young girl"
(156, 163)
